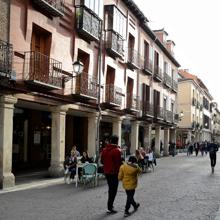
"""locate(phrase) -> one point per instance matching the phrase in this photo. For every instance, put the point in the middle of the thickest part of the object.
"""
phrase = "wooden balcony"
(53, 8)
(132, 103)
(167, 80)
(114, 44)
(174, 85)
(85, 87)
(113, 96)
(133, 60)
(6, 54)
(158, 74)
(147, 109)
(42, 71)
(88, 24)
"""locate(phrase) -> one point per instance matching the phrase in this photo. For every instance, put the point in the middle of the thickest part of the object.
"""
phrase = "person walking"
(111, 160)
(128, 174)
(212, 149)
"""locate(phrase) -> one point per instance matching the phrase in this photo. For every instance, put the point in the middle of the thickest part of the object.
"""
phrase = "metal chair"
(89, 174)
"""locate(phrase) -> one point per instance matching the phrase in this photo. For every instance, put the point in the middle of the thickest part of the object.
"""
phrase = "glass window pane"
(87, 3)
(100, 9)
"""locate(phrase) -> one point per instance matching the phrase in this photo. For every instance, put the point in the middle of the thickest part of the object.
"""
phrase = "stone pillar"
(58, 140)
(92, 129)
(166, 142)
(147, 136)
(157, 140)
(189, 136)
(117, 129)
(173, 135)
(134, 136)
(7, 102)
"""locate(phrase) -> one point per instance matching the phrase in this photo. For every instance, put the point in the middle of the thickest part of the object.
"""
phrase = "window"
(116, 21)
(165, 66)
(95, 5)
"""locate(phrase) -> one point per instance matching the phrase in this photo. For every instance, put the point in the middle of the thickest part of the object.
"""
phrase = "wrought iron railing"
(147, 108)
(54, 7)
(87, 23)
(167, 79)
(132, 101)
(6, 54)
(169, 116)
(133, 57)
(114, 42)
(148, 65)
(159, 113)
(113, 94)
(158, 73)
(174, 85)
(42, 68)
(85, 85)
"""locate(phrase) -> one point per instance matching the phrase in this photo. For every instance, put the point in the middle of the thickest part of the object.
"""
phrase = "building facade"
(215, 122)
(128, 85)
(194, 101)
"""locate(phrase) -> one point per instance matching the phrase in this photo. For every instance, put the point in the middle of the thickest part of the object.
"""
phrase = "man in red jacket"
(111, 160)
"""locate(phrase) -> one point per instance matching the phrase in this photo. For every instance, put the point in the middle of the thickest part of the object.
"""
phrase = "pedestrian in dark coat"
(212, 149)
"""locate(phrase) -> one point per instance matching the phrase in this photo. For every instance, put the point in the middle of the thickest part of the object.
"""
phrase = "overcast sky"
(194, 26)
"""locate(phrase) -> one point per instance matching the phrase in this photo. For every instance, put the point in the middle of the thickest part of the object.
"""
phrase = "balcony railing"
(113, 95)
(88, 24)
(158, 74)
(169, 116)
(85, 85)
(114, 44)
(132, 102)
(6, 53)
(174, 85)
(159, 113)
(167, 80)
(43, 71)
(133, 59)
(147, 108)
(52, 7)
(147, 66)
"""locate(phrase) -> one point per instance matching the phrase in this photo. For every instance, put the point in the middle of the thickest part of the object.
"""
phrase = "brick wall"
(4, 19)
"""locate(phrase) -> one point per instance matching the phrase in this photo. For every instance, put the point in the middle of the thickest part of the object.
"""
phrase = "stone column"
(134, 136)
(58, 140)
(92, 129)
(157, 140)
(166, 142)
(117, 128)
(7, 102)
(147, 136)
(173, 135)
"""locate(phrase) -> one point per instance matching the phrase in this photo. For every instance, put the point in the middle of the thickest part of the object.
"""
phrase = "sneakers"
(111, 211)
(137, 206)
(127, 213)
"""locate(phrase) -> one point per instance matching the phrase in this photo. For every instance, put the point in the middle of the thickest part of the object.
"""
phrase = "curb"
(32, 185)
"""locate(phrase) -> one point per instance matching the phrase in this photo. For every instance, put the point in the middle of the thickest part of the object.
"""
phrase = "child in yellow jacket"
(128, 174)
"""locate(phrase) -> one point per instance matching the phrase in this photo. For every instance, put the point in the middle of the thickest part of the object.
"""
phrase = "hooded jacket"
(128, 174)
(111, 159)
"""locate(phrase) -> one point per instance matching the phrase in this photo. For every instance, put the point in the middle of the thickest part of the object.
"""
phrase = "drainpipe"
(99, 93)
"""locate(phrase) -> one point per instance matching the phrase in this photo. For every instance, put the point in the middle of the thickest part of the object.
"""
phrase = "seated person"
(70, 164)
(76, 151)
(140, 159)
(85, 158)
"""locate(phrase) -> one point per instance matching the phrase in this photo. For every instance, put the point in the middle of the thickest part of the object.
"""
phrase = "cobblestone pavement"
(180, 188)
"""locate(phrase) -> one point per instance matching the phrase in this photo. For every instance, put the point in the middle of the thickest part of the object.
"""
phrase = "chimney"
(161, 35)
(170, 46)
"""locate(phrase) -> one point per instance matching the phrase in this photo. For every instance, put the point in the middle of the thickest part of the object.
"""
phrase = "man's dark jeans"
(112, 181)
(212, 156)
(130, 199)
